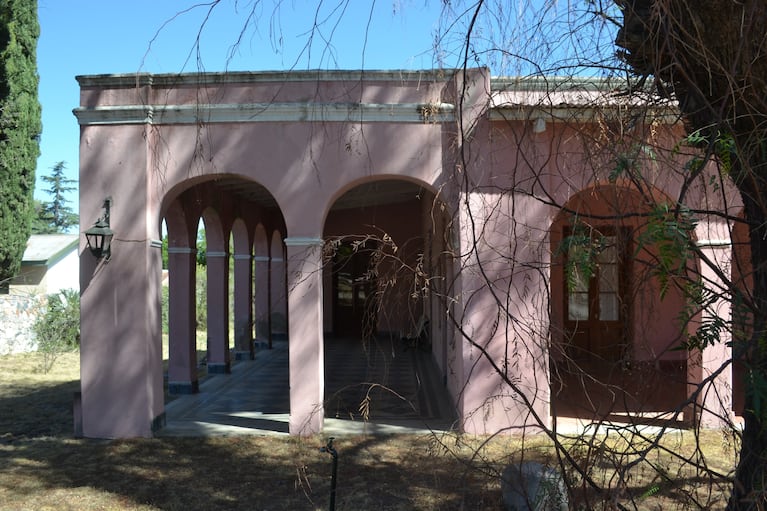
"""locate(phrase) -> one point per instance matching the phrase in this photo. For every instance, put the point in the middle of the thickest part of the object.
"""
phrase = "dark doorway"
(596, 304)
(354, 289)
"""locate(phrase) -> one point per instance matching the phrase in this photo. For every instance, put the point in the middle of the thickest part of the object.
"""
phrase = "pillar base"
(220, 368)
(179, 387)
(243, 355)
(158, 423)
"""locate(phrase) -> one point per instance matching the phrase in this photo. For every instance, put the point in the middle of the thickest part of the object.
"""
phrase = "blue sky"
(117, 36)
(109, 36)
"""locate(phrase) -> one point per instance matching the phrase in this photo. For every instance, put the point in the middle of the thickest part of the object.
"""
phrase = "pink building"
(464, 184)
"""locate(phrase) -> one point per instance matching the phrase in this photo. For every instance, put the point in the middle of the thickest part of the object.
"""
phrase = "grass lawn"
(43, 467)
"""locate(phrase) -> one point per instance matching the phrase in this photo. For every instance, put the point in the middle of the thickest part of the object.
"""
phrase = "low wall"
(17, 314)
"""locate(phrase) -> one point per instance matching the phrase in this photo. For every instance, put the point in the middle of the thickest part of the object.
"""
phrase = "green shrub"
(57, 328)
(202, 297)
(201, 301)
(165, 297)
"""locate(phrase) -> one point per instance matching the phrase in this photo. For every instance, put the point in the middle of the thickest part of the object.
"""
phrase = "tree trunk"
(751, 473)
(709, 54)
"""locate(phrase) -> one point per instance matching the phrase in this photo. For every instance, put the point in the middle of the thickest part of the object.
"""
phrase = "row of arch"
(257, 230)
(254, 233)
(394, 217)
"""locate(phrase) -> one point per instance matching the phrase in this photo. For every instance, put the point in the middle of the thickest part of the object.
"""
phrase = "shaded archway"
(235, 212)
(616, 328)
(384, 274)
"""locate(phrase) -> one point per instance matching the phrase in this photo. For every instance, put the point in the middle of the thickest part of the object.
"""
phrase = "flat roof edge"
(212, 78)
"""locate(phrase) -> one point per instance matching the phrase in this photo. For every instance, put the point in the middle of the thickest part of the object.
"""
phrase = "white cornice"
(267, 112)
(667, 115)
(127, 80)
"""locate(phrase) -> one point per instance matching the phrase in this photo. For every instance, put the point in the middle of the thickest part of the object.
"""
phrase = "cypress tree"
(20, 128)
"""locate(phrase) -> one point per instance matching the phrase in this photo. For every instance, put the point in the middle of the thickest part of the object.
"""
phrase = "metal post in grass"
(330, 449)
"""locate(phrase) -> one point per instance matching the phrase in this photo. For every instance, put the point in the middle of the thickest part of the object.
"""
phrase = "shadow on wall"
(279, 324)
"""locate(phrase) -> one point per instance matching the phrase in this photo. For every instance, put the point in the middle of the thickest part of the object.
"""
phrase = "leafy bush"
(57, 329)
(202, 297)
(201, 301)
(165, 297)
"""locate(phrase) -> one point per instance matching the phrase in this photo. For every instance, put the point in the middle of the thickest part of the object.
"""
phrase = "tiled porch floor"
(404, 394)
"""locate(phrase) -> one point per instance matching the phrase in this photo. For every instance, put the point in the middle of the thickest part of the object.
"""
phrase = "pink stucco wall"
(300, 141)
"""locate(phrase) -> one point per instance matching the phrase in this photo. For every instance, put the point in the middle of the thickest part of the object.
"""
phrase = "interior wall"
(399, 310)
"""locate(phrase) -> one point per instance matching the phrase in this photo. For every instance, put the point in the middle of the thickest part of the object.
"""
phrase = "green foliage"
(757, 388)
(202, 248)
(202, 297)
(40, 225)
(57, 329)
(699, 299)
(165, 297)
(55, 216)
(581, 250)
(723, 147)
(164, 252)
(669, 232)
(20, 128)
(629, 163)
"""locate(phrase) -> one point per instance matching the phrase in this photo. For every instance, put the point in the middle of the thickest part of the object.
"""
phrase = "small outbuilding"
(50, 264)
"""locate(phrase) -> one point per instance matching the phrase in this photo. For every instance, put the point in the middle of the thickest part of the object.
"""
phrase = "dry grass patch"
(34, 403)
(45, 468)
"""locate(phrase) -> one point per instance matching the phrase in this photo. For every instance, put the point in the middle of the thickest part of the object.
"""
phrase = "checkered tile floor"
(366, 383)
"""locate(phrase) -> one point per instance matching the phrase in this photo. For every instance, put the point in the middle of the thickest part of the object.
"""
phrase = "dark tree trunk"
(710, 56)
(749, 491)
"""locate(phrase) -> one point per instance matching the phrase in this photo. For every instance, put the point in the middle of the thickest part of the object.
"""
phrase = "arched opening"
(384, 276)
(616, 324)
(216, 230)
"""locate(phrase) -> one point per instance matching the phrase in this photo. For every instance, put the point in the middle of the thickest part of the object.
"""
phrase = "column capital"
(181, 250)
(300, 241)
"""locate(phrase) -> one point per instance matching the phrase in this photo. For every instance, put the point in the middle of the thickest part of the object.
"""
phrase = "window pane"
(608, 278)
(608, 253)
(608, 307)
(578, 306)
(344, 290)
(581, 282)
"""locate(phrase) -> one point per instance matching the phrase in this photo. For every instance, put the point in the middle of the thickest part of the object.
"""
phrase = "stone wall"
(17, 314)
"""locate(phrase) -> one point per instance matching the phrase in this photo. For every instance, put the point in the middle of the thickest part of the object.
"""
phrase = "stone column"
(120, 346)
(307, 379)
(709, 384)
(243, 311)
(218, 312)
(277, 291)
(121, 368)
(263, 313)
(182, 345)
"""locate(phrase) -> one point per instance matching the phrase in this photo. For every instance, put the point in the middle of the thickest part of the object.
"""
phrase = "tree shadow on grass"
(45, 410)
(235, 473)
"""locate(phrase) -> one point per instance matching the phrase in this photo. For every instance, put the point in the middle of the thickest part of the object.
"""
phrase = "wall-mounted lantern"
(99, 237)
